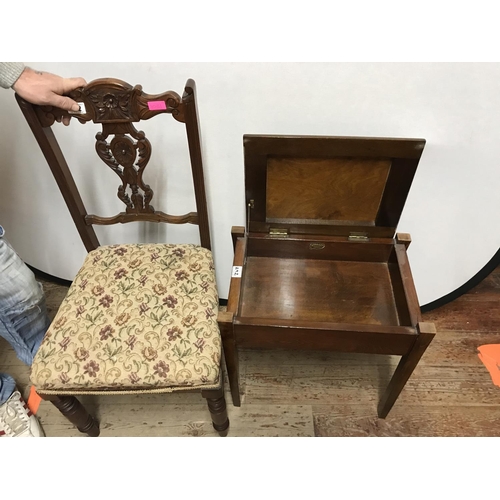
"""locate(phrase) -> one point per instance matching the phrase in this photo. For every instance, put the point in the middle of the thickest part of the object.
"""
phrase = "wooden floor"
(291, 393)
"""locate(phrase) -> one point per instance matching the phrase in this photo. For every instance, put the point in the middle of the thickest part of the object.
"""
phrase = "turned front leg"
(218, 410)
(74, 411)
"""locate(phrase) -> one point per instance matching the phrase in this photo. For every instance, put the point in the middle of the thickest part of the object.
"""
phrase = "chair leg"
(73, 410)
(218, 411)
(405, 368)
(231, 359)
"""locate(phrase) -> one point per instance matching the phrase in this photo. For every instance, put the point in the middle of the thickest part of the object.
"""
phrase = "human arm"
(9, 73)
(40, 87)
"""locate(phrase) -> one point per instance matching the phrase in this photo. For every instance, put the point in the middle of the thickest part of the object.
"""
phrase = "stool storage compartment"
(320, 265)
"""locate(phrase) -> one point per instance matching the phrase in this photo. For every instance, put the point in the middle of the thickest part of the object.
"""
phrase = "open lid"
(328, 185)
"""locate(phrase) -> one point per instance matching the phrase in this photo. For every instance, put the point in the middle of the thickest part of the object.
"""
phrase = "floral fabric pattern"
(136, 317)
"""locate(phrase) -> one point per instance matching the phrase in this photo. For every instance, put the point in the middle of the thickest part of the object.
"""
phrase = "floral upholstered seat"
(136, 318)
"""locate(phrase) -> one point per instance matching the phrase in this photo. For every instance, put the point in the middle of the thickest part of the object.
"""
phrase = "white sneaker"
(17, 420)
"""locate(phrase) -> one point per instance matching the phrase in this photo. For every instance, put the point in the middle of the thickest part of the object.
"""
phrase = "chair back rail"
(116, 105)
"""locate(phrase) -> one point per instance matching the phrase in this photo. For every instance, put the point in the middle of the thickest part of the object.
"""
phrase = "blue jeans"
(23, 314)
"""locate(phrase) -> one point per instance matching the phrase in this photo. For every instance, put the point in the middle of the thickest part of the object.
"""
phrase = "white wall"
(452, 211)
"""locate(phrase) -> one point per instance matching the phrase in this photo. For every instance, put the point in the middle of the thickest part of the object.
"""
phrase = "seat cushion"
(136, 317)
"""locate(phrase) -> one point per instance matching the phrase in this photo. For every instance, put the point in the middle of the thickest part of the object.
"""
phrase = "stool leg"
(405, 368)
(231, 359)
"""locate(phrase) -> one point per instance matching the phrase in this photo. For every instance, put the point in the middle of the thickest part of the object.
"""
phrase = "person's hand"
(39, 87)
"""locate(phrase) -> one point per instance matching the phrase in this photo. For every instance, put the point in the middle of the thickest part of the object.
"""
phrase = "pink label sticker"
(156, 105)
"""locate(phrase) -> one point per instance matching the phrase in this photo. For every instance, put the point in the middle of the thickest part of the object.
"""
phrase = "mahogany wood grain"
(349, 328)
(157, 216)
(73, 410)
(342, 337)
(237, 232)
(260, 152)
(336, 189)
(225, 321)
(117, 105)
(62, 174)
(408, 284)
(233, 299)
(318, 248)
(404, 239)
(409, 361)
(319, 146)
(318, 290)
(194, 141)
(338, 279)
(396, 191)
(399, 292)
(332, 228)
(218, 410)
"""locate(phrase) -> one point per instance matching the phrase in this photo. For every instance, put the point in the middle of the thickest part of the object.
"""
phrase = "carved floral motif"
(116, 104)
(111, 106)
(121, 155)
(124, 150)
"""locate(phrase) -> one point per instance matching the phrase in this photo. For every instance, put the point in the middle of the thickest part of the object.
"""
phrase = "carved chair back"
(117, 106)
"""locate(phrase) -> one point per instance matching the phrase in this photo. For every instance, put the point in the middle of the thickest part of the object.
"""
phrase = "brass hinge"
(358, 237)
(275, 232)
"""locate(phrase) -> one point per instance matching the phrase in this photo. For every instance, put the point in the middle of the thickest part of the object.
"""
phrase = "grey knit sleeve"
(9, 73)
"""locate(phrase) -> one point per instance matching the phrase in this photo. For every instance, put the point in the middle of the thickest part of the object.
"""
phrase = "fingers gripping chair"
(138, 318)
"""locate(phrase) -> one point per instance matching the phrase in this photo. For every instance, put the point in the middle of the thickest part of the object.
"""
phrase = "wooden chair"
(138, 318)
